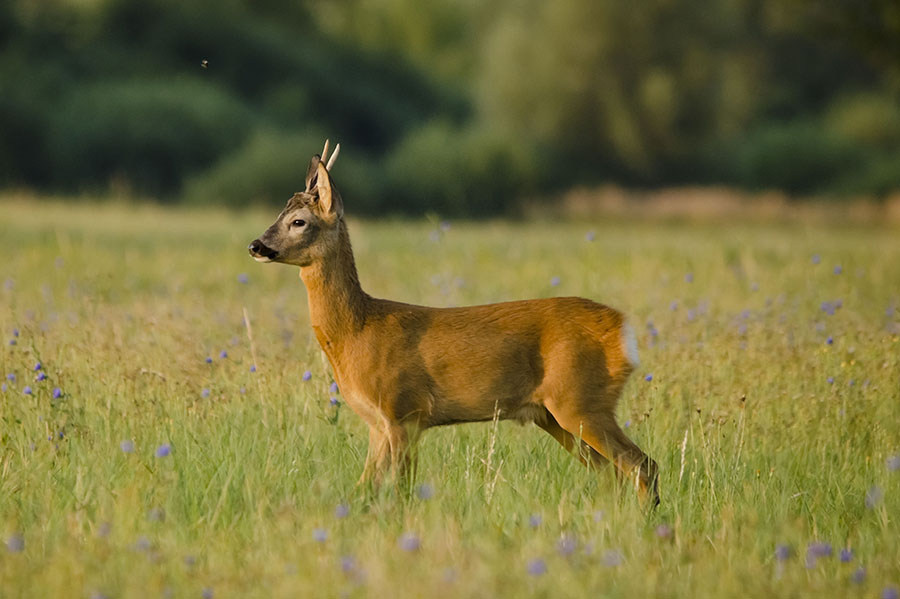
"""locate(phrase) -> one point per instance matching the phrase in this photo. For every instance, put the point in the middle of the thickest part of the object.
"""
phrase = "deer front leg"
(377, 458)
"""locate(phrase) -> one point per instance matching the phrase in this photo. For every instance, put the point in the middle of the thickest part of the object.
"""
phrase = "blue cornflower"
(664, 531)
(307, 375)
(334, 401)
(12, 341)
(16, 543)
(858, 576)
(342, 510)
(873, 496)
(15, 332)
(207, 593)
(26, 390)
(782, 552)
(347, 563)
(208, 360)
(425, 491)
(837, 269)
(11, 377)
(566, 546)
(334, 387)
(37, 366)
(57, 393)
(648, 378)
(163, 450)
(253, 368)
(320, 535)
(204, 392)
(223, 354)
(3, 387)
(537, 567)
(830, 340)
(127, 446)
(534, 520)
(243, 278)
(591, 236)
(689, 277)
(554, 282)
(830, 380)
(890, 593)
(41, 376)
(409, 542)
(846, 555)
(893, 463)
(816, 258)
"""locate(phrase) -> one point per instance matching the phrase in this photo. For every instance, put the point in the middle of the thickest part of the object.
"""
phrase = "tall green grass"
(766, 433)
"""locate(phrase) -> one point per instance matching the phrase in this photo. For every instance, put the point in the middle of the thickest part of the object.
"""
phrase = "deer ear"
(329, 198)
(311, 172)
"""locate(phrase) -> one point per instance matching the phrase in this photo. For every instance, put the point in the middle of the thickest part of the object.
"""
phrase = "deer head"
(309, 225)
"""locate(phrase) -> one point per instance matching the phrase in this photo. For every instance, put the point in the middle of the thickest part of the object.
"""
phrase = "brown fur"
(403, 368)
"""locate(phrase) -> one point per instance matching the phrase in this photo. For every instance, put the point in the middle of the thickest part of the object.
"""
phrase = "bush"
(799, 157)
(471, 171)
(152, 133)
(272, 166)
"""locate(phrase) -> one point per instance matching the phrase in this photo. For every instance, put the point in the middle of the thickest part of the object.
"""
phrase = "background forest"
(450, 106)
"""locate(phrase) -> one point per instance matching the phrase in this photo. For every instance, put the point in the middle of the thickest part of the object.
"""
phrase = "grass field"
(167, 465)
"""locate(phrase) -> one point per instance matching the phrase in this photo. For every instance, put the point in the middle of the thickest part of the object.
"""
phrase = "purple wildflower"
(156, 514)
(16, 543)
(554, 282)
(12, 341)
(208, 360)
(320, 535)
(37, 366)
(334, 401)
(673, 305)
(425, 491)
(534, 520)
(830, 340)
(590, 236)
(858, 576)
(127, 446)
(15, 332)
(142, 544)
(846, 555)
(307, 375)
(204, 392)
(3, 387)
(648, 378)
(409, 542)
(189, 560)
(333, 388)
(627, 423)
(537, 567)
(57, 393)
(816, 258)
(874, 496)
(26, 390)
(11, 377)
(893, 463)
(342, 510)
(41, 376)
(253, 368)
(612, 558)
(663, 531)
(243, 278)
(816, 550)
(689, 277)
(347, 563)
(837, 269)
(782, 552)
(566, 545)
(223, 354)
(828, 307)
(163, 450)
(830, 380)
(207, 593)
(890, 593)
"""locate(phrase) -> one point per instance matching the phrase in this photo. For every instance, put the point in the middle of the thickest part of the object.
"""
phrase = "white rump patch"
(629, 345)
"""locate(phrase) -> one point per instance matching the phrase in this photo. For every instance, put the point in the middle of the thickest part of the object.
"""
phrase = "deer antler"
(334, 155)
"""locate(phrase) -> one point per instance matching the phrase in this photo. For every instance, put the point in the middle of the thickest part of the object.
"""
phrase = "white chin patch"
(262, 259)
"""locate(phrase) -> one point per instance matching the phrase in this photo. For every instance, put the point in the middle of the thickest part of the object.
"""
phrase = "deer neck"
(337, 303)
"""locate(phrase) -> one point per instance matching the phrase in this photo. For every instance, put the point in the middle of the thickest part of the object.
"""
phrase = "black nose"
(258, 248)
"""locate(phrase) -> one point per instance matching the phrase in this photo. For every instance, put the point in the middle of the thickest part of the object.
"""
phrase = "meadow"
(154, 445)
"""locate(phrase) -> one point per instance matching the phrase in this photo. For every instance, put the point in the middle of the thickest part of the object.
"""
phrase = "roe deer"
(559, 362)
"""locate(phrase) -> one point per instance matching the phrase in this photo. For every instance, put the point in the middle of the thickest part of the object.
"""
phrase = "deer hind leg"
(402, 438)
(603, 434)
(586, 454)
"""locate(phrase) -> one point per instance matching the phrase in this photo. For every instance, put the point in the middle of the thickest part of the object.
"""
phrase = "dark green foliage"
(153, 133)
(447, 106)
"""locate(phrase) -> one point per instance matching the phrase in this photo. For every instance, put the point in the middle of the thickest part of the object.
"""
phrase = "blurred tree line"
(454, 106)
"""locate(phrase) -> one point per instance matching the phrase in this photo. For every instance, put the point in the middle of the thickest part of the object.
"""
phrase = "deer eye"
(298, 223)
